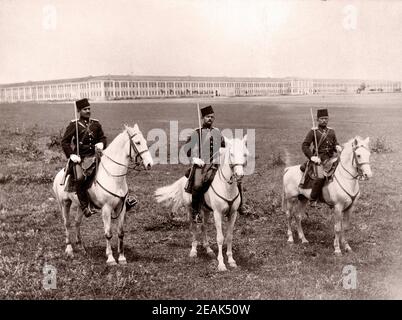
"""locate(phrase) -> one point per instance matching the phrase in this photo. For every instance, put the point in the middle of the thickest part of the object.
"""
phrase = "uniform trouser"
(316, 189)
(198, 191)
(81, 185)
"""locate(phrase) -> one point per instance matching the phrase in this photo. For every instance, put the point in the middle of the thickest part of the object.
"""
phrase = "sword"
(315, 140)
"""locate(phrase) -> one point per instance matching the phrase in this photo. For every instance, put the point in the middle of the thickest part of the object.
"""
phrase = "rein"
(228, 181)
(354, 177)
(136, 164)
(123, 198)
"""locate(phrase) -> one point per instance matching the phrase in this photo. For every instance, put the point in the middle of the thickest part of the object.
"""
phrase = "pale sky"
(55, 39)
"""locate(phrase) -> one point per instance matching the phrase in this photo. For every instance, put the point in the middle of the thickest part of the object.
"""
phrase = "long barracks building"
(120, 87)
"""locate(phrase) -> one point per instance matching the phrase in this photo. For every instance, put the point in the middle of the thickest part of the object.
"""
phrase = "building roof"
(178, 78)
(139, 78)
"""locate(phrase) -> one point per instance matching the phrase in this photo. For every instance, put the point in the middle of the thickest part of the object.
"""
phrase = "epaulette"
(330, 128)
(74, 120)
(94, 120)
(314, 128)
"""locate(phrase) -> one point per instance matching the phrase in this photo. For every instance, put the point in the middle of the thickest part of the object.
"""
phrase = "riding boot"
(196, 207)
(84, 199)
(315, 192)
(131, 202)
(241, 210)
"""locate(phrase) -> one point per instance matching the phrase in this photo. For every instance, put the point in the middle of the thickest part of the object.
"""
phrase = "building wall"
(116, 88)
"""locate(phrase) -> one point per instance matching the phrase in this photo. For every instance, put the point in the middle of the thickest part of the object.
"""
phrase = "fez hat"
(206, 110)
(322, 113)
(81, 104)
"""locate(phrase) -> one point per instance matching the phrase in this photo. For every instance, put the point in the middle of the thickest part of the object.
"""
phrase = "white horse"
(109, 190)
(341, 193)
(222, 197)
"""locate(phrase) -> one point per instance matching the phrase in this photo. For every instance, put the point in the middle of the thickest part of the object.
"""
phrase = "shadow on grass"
(166, 225)
(98, 255)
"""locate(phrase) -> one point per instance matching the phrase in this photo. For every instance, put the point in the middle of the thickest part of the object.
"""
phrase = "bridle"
(358, 166)
(233, 176)
(359, 174)
(137, 163)
(138, 155)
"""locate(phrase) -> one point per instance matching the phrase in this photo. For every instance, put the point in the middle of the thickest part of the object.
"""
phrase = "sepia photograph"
(214, 152)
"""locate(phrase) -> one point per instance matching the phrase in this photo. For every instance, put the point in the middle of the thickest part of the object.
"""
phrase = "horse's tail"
(288, 163)
(284, 202)
(56, 187)
(173, 195)
(284, 206)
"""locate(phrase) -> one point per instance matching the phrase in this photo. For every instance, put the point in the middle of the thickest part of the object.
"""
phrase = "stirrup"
(314, 204)
(196, 217)
(89, 211)
(131, 202)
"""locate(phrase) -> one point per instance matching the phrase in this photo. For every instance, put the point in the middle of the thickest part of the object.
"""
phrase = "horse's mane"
(350, 141)
(119, 136)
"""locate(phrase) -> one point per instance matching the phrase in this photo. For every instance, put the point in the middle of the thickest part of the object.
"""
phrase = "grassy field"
(157, 249)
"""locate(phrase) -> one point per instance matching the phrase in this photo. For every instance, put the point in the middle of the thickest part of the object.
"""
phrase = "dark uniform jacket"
(326, 140)
(212, 140)
(89, 133)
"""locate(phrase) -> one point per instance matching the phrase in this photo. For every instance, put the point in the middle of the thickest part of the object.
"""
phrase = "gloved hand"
(198, 162)
(338, 148)
(315, 159)
(99, 145)
(74, 158)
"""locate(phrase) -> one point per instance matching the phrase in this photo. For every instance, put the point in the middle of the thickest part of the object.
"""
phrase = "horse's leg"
(300, 208)
(194, 243)
(345, 227)
(107, 223)
(78, 221)
(338, 228)
(229, 239)
(205, 242)
(120, 233)
(289, 213)
(219, 239)
(65, 210)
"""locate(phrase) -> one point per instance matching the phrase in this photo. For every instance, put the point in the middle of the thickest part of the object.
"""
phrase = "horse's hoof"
(193, 254)
(70, 255)
(305, 241)
(111, 262)
(122, 260)
(348, 249)
(233, 265)
(338, 253)
(222, 268)
(291, 241)
(69, 252)
(210, 253)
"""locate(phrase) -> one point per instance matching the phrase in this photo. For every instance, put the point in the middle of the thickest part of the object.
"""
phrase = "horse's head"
(237, 156)
(138, 147)
(361, 156)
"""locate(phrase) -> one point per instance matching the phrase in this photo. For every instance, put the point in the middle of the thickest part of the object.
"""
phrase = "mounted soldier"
(89, 134)
(204, 158)
(322, 155)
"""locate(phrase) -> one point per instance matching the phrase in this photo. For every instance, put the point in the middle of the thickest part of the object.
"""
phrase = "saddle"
(89, 167)
(326, 170)
(208, 175)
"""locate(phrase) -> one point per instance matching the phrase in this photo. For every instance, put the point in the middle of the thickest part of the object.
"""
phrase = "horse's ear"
(245, 138)
(136, 127)
(125, 126)
(355, 143)
(367, 140)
